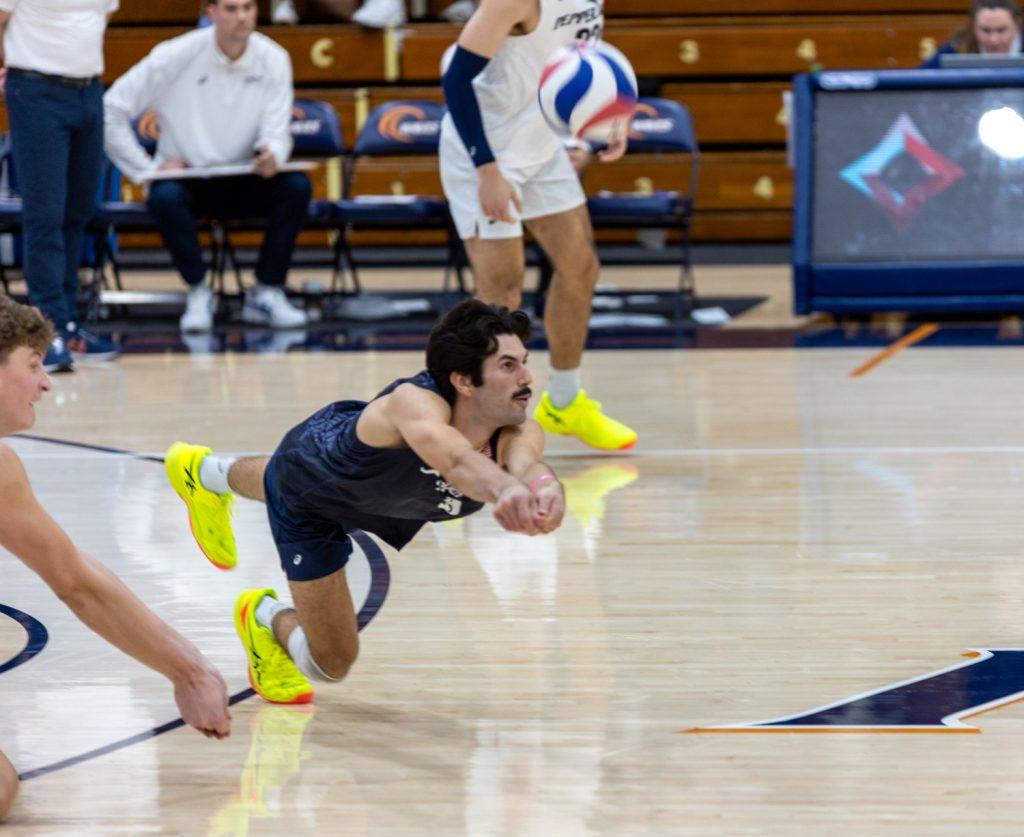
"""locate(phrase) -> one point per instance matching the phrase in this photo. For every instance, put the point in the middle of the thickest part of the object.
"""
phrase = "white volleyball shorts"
(544, 189)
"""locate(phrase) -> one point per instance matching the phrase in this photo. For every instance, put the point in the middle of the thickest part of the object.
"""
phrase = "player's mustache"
(524, 391)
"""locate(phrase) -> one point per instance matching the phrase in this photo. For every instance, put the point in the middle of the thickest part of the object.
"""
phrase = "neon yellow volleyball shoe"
(584, 420)
(209, 514)
(271, 671)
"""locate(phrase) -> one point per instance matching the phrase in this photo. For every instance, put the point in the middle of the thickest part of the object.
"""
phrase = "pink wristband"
(538, 480)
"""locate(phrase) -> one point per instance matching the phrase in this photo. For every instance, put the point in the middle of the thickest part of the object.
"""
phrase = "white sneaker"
(200, 306)
(459, 12)
(267, 305)
(283, 13)
(380, 14)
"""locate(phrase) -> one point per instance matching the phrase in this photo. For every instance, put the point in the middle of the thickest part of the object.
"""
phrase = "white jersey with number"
(507, 88)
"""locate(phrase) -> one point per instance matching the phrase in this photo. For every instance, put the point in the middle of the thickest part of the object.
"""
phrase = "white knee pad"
(298, 650)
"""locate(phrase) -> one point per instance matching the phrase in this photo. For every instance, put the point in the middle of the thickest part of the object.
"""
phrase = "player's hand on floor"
(497, 196)
(550, 507)
(202, 699)
(516, 510)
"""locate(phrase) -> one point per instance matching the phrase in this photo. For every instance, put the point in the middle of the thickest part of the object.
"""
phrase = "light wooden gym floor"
(784, 536)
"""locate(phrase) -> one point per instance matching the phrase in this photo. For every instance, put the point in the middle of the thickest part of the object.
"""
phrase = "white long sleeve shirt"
(211, 111)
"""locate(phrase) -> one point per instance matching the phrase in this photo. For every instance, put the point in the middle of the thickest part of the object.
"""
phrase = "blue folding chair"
(397, 129)
(10, 223)
(659, 126)
(317, 135)
(10, 206)
(114, 214)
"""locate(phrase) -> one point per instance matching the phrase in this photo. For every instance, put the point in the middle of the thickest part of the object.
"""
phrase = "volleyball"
(588, 92)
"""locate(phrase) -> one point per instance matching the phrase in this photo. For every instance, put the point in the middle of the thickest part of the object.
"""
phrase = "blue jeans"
(283, 200)
(57, 135)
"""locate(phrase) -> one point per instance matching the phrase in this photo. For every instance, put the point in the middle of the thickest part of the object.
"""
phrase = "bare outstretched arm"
(521, 450)
(105, 604)
(421, 418)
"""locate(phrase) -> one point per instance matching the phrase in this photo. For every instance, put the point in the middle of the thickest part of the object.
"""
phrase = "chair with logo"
(659, 126)
(116, 214)
(317, 135)
(396, 130)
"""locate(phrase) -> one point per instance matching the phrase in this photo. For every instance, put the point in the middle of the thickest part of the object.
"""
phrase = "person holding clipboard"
(222, 96)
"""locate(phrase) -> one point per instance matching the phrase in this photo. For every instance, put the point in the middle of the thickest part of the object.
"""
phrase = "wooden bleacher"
(730, 69)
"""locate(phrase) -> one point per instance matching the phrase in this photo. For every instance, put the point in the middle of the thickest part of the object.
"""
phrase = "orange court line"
(916, 336)
(836, 731)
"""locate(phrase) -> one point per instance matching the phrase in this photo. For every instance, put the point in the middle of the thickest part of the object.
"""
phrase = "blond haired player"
(85, 585)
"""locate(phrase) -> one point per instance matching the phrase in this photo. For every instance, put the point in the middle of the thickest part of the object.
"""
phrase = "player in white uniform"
(502, 165)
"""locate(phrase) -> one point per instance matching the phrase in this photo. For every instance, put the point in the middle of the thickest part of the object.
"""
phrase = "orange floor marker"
(916, 336)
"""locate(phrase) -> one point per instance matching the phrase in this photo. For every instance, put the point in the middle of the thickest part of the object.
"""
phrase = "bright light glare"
(1002, 130)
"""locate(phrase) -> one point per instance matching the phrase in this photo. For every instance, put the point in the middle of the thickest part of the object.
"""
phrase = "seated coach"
(222, 95)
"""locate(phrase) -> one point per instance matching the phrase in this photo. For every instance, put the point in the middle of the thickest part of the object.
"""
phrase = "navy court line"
(380, 575)
(86, 446)
(37, 637)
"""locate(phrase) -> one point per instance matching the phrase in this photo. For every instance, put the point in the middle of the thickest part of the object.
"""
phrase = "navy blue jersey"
(322, 470)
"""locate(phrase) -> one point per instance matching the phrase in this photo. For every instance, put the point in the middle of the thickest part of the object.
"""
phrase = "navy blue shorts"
(309, 547)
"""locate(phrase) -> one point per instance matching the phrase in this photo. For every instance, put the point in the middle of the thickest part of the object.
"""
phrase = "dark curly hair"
(467, 335)
(22, 325)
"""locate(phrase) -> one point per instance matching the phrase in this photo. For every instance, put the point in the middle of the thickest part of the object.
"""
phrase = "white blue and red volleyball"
(588, 91)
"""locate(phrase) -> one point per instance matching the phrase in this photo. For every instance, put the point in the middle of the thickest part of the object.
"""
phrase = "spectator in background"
(372, 13)
(993, 29)
(222, 95)
(53, 58)
(375, 14)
